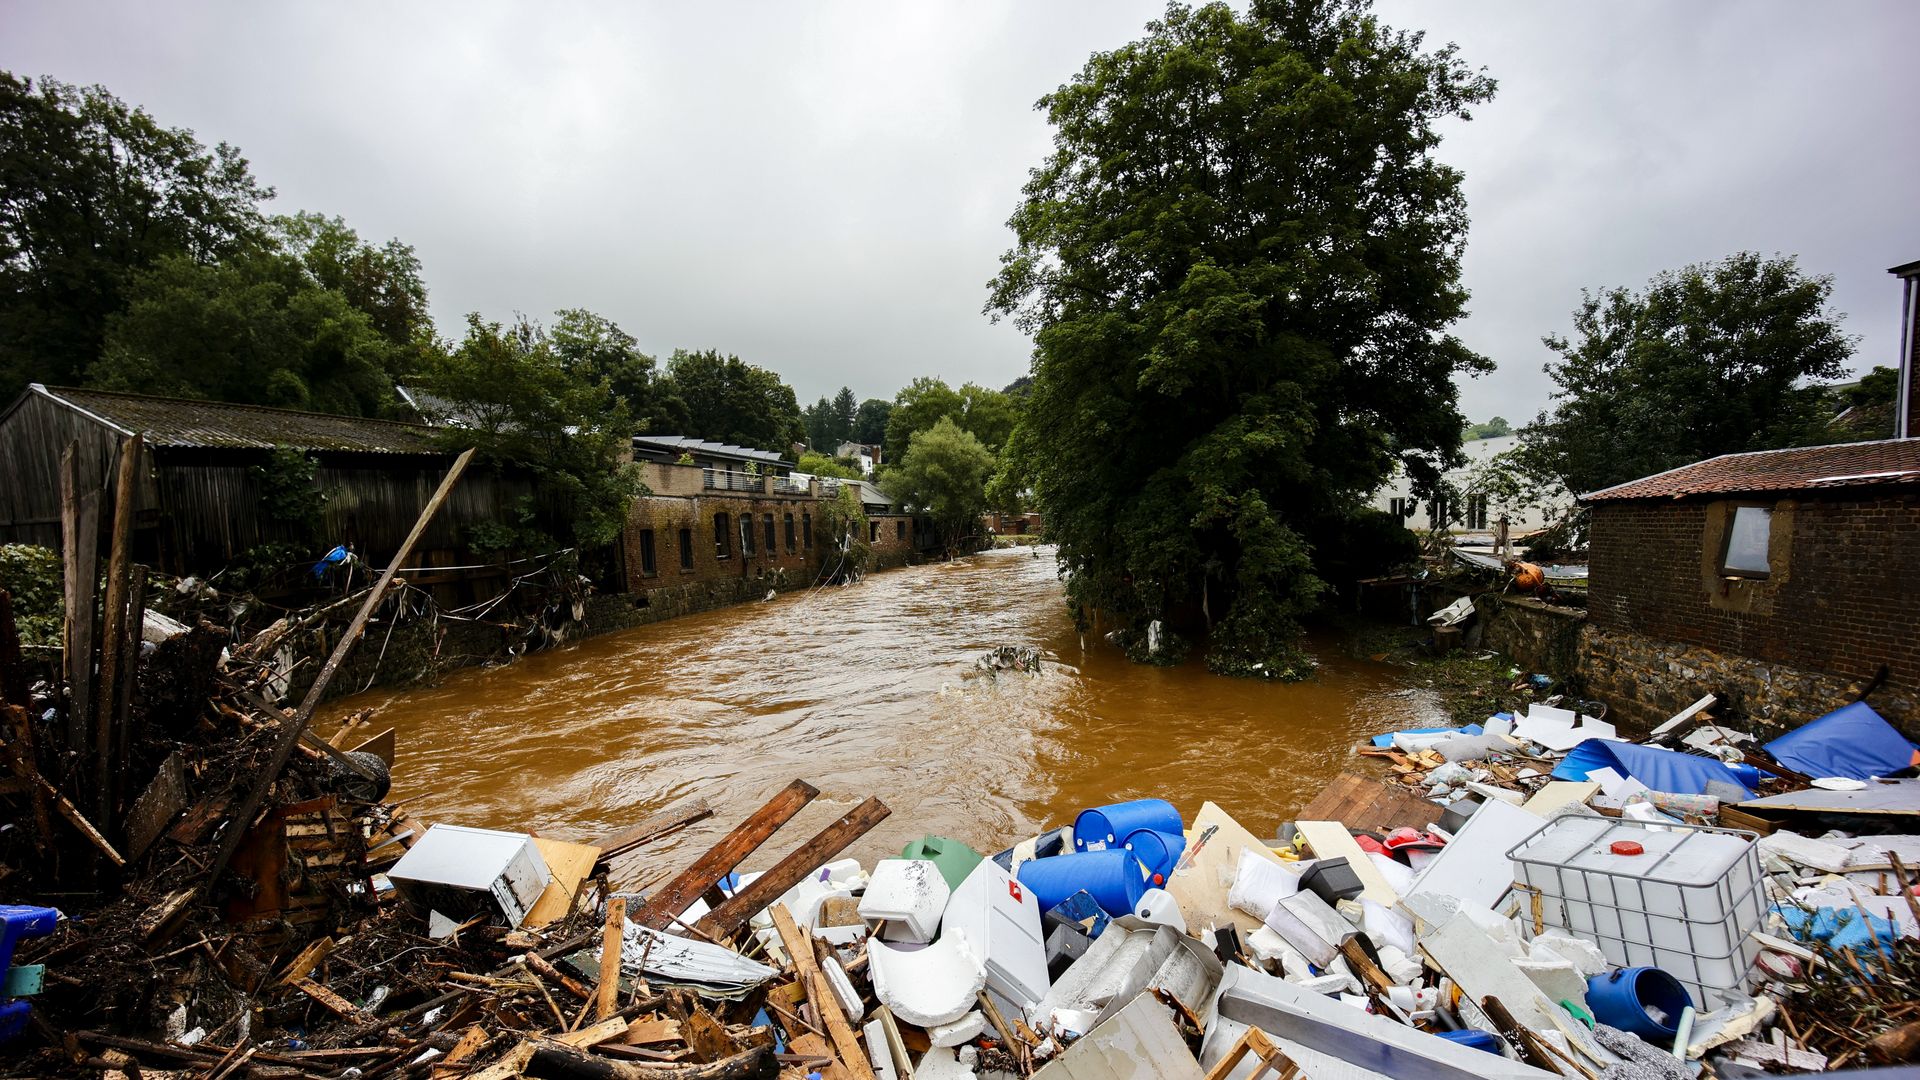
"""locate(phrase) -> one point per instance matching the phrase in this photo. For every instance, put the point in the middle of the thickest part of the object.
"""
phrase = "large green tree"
(93, 192)
(1715, 358)
(253, 328)
(1239, 265)
(525, 407)
(944, 475)
(729, 400)
(596, 347)
(870, 421)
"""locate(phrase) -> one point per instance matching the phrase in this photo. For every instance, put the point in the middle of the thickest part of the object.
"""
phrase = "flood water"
(867, 690)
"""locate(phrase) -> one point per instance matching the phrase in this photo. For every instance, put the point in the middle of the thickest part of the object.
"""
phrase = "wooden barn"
(201, 490)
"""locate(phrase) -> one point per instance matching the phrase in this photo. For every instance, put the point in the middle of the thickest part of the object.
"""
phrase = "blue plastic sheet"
(1842, 928)
(1662, 770)
(1851, 741)
(1387, 739)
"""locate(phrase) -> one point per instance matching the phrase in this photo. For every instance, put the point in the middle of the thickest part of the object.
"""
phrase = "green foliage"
(1239, 264)
(944, 475)
(840, 524)
(33, 576)
(729, 400)
(988, 414)
(1715, 358)
(597, 349)
(1881, 386)
(821, 465)
(870, 421)
(383, 282)
(288, 493)
(528, 409)
(255, 329)
(1492, 429)
(93, 192)
(830, 423)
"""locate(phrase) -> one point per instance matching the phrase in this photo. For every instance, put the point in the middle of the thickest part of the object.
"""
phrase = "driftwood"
(727, 919)
(676, 896)
(555, 1061)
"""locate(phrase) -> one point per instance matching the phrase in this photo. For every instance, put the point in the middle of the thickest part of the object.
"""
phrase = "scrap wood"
(611, 939)
(653, 1029)
(670, 820)
(306, 960)
(568, 866)
(726, 920)
(24, 770)
(673, 898)
(1361, 802)
(587, 1038)
(1254, 1041)
(799, 946)
(553, 1061)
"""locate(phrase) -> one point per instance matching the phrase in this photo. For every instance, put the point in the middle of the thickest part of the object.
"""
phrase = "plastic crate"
(1688, 905)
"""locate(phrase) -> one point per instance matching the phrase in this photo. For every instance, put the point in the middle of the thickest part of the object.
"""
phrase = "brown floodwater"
(869, 689)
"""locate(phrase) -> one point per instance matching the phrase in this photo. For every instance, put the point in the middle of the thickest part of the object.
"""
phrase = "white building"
(861, 454)
(1481, 510)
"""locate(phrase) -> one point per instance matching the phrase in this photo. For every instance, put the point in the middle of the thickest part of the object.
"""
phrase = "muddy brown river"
(864, 690)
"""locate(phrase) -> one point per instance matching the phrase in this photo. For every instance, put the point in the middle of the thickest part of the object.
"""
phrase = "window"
(720, 526)
(806, 531)
(647, 565)
(1749, 533)
(686, 549)
(873, 532)
(1436, 513)
(789, 524)
(773, 545)
(1476, 512)
(899, 530)
(746, 536)
(1402, 508)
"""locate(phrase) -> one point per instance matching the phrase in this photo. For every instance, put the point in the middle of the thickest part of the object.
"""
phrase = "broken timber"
(725, 921)
(679, 894)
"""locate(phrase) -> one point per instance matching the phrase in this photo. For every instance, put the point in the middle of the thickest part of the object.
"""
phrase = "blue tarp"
(1387, 739)
(1851, 741)
(1661, 770)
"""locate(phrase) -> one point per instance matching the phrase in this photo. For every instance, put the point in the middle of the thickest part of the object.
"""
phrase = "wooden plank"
(157, 806)
(1331, 840)
(586, 1038)
(653, 1029)
(799, 948)
(673, 898)
(1361, 802)
(670, 820)
(1199, 880)
(308, 959)
(611, 938)
(508, 1066)
(294, 725)
(80, 540)
(114, 658)
(330, 1001)
(568, 866)
(726, 920)
(816, 1046)
(1558, 794)
(1732, 817)
(380, 746)
(470, 1043)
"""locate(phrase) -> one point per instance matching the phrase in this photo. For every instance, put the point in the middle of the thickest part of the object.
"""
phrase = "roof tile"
(1843, 465)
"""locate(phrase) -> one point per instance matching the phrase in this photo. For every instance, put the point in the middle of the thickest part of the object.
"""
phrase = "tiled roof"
(187, 423)
(1821, 468)
(684, 444)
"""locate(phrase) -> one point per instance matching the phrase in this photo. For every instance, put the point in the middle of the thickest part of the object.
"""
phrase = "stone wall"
(694, 564)
(1539, 637)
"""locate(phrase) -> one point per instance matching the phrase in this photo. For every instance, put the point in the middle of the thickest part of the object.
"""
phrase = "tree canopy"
(815, 463)
(1238, 264)
(1715, 358)
(870, 421)
(93, 192)
(988, 414)
(831, 422)
(729, 400)
(944, 475)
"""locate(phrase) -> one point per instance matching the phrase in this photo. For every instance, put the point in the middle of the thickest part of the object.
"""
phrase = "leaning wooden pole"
(113, 627)
(80, 565)
(242, 817)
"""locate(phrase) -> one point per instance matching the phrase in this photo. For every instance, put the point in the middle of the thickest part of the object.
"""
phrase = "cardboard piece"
(1559, 794)
(1200, 880)
(569, 865)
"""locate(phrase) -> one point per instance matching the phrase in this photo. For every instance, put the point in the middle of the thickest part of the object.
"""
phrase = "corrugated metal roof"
(1840, 466)
(218, 424)
(688, 445)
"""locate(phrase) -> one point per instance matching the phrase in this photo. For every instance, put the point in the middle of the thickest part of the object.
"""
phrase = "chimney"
(1906, 402)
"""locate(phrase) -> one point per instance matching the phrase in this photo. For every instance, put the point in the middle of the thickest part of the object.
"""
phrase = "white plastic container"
(905, 899)
(1001, 921)
(458, 871)
(1687, 905)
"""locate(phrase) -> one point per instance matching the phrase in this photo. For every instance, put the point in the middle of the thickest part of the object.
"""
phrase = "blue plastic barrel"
(1157, 851)
(1114, 878)
(1643, 1000)
(1478, 1040)
(1107, 826)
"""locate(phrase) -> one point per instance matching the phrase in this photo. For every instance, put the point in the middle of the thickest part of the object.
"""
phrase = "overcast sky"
(822, 188)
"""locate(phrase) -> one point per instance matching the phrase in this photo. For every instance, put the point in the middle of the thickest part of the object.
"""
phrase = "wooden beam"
(556, 1061)
(290, 733)
(26, 771)
(113, 629)
(80, 564)
(127, 643)
(799, 946)
(672, 819)
(611, 939)
(726, 920)
(676, 896)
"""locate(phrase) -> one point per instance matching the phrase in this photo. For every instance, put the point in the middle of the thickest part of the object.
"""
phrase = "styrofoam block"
(964, 1030)
(934, 985)
(906, 898)
(879, 1055)
(1269, 947)
(1259, 883)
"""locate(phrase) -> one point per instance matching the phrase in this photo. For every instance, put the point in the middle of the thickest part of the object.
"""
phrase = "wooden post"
(242, 818)
(799, 945)
(679, 894)
(610, 941)
(80, 562)
(113, 626)
(727, 919)
(128, 645)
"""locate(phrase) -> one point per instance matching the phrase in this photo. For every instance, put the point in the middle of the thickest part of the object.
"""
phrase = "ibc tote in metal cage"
(1688, 903)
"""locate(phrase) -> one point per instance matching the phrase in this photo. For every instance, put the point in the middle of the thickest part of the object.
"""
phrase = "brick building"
(1784, 580)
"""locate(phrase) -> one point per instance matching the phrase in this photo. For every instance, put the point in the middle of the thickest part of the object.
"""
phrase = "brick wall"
(1840, 602)
(892, 537)
(673, 587)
